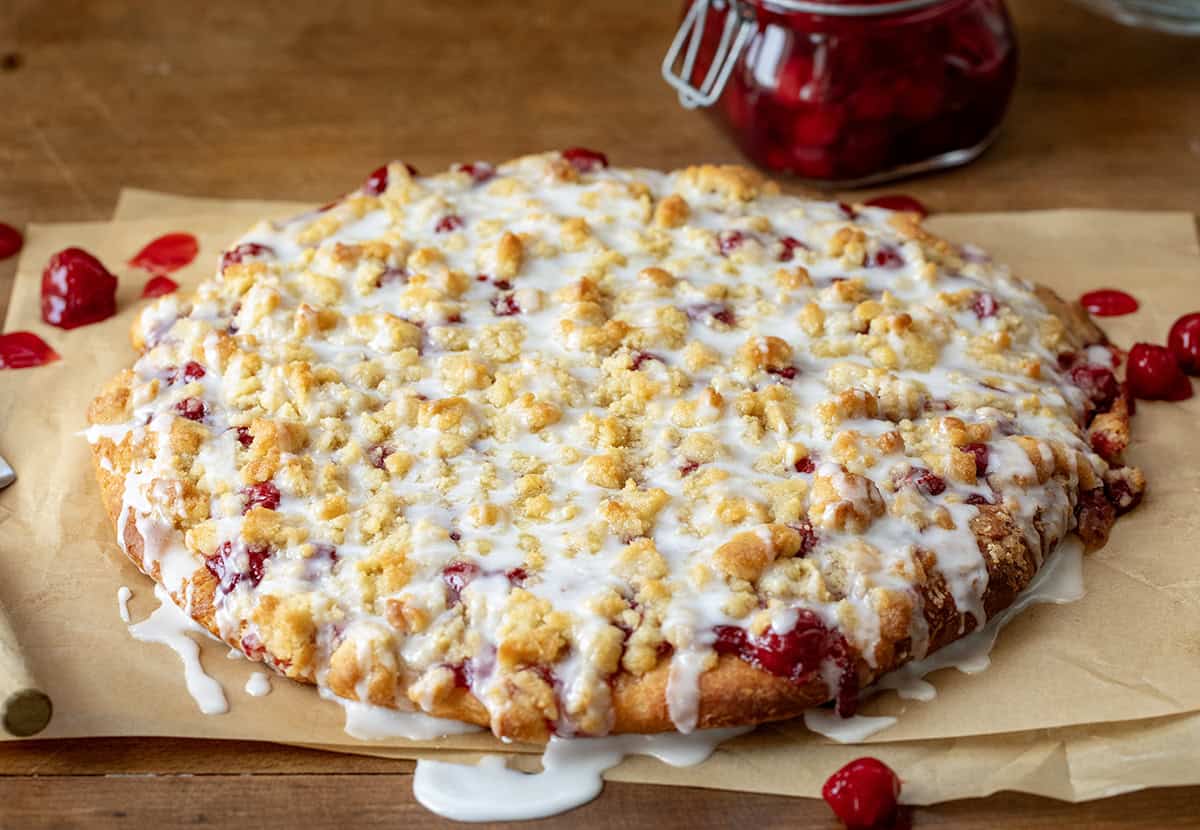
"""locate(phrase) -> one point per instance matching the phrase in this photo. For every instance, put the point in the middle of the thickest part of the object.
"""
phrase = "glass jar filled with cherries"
(849, 93)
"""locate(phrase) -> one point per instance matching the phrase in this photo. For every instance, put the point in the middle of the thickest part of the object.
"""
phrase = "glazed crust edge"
(734, 692)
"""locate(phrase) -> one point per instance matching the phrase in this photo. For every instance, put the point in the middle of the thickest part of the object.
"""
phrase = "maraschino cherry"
(863, 793)
(1184, 342)
(10, 241)
(77, 290)
(1153, 374)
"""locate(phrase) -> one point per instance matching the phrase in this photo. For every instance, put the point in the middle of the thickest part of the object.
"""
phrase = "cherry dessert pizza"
(564, 449)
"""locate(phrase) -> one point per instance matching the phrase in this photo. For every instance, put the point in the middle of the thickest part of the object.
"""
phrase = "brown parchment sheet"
(1082, 700)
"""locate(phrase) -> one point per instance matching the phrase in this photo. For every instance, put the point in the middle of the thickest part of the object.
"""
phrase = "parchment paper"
(1097, 692)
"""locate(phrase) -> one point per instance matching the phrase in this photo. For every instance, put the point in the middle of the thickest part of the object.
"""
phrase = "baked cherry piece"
(790, 244)
(479, 171)
(159, 286)
(377, 182)
(981, 454)
(264, 494)
(984, 305)
(1184, 342)
(191, 371)
(1108, 302)
(193, 409)
(863, 794)
(456, 576)
(77, 290)
(1097, 382)
(926, 481)
(730, 241)
(898, 201)
(243, 252)
(24, 350)
(11, 241)
(585, 160)
(1154, 375)
(448, 223)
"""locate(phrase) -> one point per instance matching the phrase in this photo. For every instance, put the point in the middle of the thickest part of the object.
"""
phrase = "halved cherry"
(77, 290)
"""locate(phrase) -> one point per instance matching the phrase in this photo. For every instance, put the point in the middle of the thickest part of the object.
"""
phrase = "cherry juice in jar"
(853, 93)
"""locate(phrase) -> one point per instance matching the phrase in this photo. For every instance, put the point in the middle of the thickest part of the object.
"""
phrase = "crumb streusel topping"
(520, 430)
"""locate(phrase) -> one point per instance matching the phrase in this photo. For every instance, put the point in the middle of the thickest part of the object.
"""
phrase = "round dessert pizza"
(559, 448)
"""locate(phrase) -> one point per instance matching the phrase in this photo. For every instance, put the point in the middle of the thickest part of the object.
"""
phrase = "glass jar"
(849, 93)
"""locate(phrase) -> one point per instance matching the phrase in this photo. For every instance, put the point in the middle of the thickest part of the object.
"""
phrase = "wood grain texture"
(300, 99)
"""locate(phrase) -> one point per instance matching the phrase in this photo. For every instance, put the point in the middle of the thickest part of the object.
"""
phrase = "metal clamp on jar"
(849, 93)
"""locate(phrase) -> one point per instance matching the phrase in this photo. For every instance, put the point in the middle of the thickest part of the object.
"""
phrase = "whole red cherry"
(863, 793)
(77, 289)
(1184, 342)
(1152, 374)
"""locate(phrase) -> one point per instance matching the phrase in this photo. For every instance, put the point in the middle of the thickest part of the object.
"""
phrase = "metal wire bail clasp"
(739, 26)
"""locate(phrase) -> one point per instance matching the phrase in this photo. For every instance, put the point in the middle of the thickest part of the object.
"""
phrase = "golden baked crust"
(284, 489)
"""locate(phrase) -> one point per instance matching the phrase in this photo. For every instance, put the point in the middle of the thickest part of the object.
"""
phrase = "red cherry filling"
(785, 372)
(1153, 374)
(709, 312)
(730, 241)
(247, 250)
(640, 359)
(479, 171)
(984, 305)
(808, 537)
(516, 576)
(378, 455)
(797, 654)
(898, 201)
(191, 371)
(193, 409)
(1108, 302)
(688, 467)
(220, 566)
(887, 257)
(790, 244)
(168, 253)
(77, 290)
(863, 794)
(926, 481)
(1119, 492)
(264, 494)
(377, 182)
(805, 465)
(1098, 383)
(585, 160)
(456, 576)
(244, 437)
(981, 453)
(1184, 342)
(159, 286)
(11, 241)
(505, 305)
(24, 350)
(448, 223)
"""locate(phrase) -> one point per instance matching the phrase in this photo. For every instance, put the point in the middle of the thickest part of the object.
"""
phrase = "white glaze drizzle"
(171, 627)
(258, 684)
(123, 595)
(367, 722)
(572, 775)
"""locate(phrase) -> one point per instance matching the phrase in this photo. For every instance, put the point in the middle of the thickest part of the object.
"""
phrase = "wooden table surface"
(300, 99)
